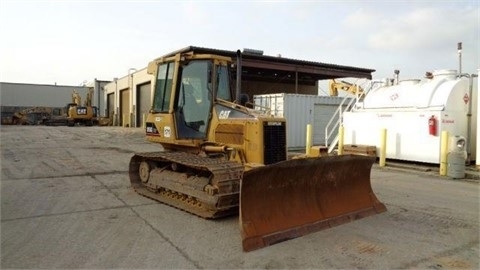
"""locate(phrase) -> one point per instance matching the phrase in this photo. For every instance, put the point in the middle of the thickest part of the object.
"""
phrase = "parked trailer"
(415, 112)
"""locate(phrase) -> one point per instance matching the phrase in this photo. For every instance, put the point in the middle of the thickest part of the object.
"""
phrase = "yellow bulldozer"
(221, 158)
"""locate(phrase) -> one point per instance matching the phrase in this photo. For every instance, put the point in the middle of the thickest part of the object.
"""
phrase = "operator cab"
(198, 82)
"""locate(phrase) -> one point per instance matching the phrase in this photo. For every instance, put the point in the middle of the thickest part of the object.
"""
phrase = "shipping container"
(299, 111)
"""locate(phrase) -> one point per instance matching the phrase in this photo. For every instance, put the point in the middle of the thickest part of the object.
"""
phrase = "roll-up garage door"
(110, 105)
(124, 107)
(144, 102)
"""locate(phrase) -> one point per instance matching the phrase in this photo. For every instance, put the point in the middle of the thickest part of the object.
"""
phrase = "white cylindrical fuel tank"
(414, 112)
(416, 93)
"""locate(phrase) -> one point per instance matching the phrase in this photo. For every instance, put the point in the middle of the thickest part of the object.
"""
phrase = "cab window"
(223, 90)
(163, 87)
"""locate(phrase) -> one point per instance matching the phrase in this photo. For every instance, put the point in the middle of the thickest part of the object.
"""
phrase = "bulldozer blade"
(300, 196)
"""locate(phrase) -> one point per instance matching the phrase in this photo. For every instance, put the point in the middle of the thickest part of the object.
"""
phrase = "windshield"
(194, 99)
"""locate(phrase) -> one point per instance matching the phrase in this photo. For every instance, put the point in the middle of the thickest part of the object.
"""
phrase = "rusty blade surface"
(296, 197)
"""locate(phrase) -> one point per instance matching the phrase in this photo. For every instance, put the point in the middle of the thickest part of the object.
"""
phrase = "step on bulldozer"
(223, 158)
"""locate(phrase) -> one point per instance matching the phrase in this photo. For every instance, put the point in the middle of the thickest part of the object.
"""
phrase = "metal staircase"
(347, 104)
(334, 123)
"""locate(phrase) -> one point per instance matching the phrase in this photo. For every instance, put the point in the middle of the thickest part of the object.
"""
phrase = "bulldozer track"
(210, 191)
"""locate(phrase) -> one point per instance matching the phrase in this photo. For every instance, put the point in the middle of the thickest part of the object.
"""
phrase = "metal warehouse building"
(18, 96)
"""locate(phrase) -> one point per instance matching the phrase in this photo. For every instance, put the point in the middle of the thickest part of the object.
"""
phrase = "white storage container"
(300, 110)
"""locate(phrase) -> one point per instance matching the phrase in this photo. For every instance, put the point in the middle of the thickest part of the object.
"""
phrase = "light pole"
(132, 119)
(116, 105)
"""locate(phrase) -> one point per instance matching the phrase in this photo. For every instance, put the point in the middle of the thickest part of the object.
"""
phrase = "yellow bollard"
(383, 147)
(341, 132)
(144, 120)
(308, 145)
(443, 153)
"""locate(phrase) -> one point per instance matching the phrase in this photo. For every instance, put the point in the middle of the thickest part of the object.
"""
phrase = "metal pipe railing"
(338, 115)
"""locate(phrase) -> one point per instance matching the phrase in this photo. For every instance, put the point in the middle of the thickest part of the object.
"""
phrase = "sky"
(73, 42)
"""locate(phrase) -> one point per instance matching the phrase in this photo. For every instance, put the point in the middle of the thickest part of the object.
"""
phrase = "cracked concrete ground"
(66, 202)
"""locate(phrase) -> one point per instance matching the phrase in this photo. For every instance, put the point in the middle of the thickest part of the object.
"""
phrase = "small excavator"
(78, 114)
(222, 158)
(75, 113)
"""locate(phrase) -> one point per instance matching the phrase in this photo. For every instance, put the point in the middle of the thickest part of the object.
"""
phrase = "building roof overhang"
(259, 67)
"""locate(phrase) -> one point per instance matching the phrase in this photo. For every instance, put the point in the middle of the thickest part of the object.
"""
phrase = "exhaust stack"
(238, 88)
(459, 48)
(397, 77)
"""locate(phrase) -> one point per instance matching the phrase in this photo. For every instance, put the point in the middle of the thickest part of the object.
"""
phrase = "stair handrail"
(337, 115)
(340, 110)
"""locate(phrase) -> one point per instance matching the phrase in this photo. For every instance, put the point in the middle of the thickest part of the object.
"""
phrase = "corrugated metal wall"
(37, 95)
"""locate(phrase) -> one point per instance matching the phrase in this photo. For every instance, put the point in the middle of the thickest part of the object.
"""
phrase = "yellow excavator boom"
(334, 86)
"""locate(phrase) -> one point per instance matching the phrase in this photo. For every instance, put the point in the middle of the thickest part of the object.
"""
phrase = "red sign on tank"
(466, 99)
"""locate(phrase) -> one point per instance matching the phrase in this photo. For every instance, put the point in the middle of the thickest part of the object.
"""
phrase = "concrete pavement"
(66, 202)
